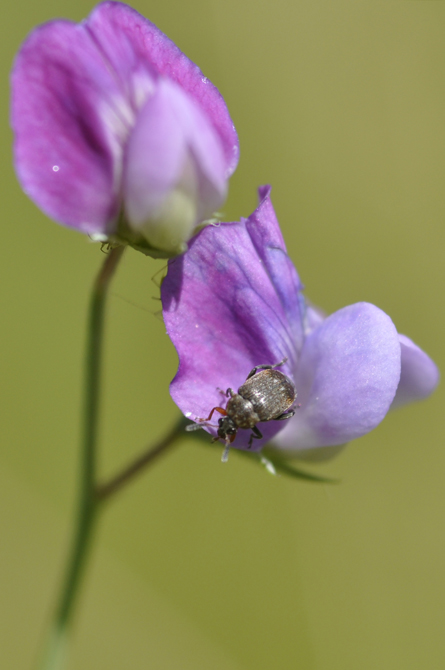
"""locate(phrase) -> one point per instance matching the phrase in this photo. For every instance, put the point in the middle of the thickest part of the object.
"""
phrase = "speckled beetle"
(265, 396)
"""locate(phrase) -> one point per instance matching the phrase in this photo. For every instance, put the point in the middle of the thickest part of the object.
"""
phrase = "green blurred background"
(341, 107)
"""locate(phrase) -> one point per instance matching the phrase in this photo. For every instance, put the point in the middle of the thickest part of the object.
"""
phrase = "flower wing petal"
(419, 374)
(172, 145)
(155, 155)
(346, 380)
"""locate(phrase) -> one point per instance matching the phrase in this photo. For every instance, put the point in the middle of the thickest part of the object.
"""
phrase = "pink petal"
(419, 375)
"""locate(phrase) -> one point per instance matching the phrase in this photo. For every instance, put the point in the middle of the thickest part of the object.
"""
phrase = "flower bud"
(117, 133)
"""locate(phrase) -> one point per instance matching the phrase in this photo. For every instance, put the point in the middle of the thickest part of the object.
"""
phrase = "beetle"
(266, 395)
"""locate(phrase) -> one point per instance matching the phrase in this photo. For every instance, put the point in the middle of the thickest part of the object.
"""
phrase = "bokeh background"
(341, 107)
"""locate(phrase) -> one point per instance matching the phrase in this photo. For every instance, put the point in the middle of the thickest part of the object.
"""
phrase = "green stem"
(88, 501)
(107, 489)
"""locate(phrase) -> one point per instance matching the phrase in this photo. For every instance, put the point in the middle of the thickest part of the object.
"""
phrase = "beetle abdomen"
(270, 392)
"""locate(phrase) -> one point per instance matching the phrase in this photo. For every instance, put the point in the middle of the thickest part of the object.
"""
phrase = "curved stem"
(87, 503)
(107, 489)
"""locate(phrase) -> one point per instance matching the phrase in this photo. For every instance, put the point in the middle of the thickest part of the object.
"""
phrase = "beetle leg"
(217, 409)
(265, 367)
(285, 415)
(254, 435)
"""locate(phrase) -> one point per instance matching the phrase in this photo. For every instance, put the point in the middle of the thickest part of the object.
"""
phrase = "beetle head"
(227, 429)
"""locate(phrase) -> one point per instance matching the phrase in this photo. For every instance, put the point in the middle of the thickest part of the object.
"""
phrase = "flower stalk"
(88, 502)
(146, 458)
(91, 493)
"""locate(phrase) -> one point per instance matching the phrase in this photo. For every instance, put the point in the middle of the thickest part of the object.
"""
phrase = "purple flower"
(117, 133)
(234, 301)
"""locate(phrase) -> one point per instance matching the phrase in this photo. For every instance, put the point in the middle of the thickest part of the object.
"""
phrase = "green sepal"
(283, 467)
(271, 463)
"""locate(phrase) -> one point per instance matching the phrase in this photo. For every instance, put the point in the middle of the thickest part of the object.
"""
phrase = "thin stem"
(104, 491)
(87, 503)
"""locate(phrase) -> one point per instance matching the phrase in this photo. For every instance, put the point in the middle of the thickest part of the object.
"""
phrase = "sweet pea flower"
(234, 300)
(117, 133)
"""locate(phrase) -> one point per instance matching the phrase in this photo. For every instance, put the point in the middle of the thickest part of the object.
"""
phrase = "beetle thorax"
(241, 411)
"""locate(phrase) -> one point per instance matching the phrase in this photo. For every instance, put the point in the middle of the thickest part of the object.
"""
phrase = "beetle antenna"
(194, 426)
(225, 453)
(197, 426)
